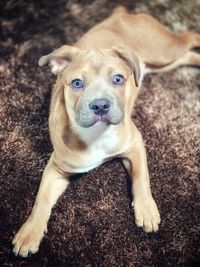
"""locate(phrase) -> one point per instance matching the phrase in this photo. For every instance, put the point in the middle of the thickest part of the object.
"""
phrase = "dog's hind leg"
(190, 58)
(191, 41)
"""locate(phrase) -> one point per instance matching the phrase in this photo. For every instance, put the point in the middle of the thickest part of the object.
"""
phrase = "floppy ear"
(59, 59)
(130, 59)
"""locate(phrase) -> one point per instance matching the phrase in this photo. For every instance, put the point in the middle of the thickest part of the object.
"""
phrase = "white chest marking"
(102, 142)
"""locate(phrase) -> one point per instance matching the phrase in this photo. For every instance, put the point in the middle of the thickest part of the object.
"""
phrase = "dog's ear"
(59, 59)
(130, 59)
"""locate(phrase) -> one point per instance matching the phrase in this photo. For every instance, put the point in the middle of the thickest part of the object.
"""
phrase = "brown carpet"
(93, 222)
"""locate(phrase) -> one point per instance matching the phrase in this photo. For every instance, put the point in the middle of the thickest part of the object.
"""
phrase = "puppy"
(90, 122)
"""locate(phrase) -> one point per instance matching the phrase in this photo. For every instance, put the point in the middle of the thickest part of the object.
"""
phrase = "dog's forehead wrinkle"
(95, 58)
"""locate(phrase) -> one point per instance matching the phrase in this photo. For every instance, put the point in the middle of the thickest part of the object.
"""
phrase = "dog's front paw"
(28, 238)
(146, 214)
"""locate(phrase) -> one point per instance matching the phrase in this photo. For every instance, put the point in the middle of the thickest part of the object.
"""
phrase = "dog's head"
(97, 83)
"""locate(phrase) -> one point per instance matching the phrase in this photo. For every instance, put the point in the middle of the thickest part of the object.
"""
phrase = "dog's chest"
(104, 146)
(101, 146)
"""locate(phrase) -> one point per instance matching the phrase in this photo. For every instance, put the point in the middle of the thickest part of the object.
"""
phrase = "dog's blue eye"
(118, 79)
(77, 84)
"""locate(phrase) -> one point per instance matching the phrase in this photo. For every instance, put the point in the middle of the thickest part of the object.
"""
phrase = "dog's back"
(155, 46)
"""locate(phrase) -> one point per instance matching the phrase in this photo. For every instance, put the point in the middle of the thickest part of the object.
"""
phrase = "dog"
(98, 80)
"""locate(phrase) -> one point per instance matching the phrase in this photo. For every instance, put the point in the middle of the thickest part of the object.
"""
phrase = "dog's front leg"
(145, 208)
(27, 239)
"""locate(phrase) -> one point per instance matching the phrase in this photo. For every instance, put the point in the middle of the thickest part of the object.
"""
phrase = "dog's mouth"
(97, 120)
(100, 120)
(105, 120)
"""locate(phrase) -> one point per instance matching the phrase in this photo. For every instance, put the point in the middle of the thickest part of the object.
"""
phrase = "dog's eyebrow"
(112, 70)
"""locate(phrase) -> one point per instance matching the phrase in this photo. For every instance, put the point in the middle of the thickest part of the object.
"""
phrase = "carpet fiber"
(93, 222)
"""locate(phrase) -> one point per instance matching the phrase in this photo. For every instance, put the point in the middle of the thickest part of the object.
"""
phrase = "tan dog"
(90, 117)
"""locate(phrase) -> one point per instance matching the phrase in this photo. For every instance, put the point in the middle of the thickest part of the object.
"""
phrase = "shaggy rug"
(93, 222)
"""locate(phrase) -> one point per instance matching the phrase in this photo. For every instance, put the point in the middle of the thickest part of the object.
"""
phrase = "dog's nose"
(100, 106)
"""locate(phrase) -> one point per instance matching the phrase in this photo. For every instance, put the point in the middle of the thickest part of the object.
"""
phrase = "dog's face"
(96, 83)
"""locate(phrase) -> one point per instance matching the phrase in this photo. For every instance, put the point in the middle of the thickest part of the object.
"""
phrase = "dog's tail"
(191, 38)
(120, 9)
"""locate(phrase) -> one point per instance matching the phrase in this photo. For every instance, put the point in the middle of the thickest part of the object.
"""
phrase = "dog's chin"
(100, 121)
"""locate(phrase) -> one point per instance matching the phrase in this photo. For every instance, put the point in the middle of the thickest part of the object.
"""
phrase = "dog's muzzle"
(100, 110)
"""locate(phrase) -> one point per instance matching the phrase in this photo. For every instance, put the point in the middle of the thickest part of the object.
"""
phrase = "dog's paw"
(146, 214)
(27, 239)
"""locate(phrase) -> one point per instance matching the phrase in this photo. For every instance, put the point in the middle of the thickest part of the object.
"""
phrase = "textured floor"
(93, 223)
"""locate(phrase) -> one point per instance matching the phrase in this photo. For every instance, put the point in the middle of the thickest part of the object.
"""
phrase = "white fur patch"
(103, 144)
